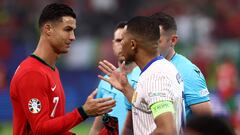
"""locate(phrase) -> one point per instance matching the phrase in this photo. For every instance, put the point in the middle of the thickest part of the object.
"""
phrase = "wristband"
(82, 113)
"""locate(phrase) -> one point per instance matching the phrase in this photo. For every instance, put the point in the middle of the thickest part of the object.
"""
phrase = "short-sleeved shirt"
(38, 100)
(159, 81)
(195, 88)
(107, 90)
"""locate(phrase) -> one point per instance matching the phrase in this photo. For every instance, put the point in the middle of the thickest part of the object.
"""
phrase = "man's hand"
(117, 78)
(99, 106)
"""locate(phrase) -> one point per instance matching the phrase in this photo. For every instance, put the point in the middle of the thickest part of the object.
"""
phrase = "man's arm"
(196, 92)
(165, 125)
(40, 122)
(163, 118)
(97, 126)
(202, 108)
(128, 126)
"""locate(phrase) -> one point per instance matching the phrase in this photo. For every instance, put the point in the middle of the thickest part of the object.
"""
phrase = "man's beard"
(127, 61)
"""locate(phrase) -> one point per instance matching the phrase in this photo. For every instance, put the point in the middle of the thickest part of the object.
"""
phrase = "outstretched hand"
(117, 78)
(99, 106)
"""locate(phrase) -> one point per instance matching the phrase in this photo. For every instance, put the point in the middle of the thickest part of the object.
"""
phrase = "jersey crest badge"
(134, 98)
(34, 105)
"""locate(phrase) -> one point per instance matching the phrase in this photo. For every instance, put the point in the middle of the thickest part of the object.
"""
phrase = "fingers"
(105, 100)
(105, 103)
(102, 106)
(105, 107)
(107, 72)
(110, 65)
(106, 110)
(123, 67)
(103, 78)
(105, 67)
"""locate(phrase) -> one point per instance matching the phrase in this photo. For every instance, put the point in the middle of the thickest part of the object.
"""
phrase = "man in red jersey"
(36, 91)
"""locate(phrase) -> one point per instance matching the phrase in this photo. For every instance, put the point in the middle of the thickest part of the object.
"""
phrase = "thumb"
(94, 93)
(123, 67)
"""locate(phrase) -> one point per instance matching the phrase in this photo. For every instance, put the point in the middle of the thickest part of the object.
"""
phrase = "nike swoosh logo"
(54, 87)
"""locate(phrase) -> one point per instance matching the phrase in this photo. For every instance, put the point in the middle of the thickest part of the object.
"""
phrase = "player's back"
(159, 81)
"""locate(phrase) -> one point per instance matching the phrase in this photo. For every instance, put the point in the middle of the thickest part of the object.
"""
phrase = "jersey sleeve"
(32, 93)
(157, 87)
(195, 88)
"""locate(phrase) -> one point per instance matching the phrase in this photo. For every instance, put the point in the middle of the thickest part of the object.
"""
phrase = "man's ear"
(47, 28)
(133, 44)
(174, 40)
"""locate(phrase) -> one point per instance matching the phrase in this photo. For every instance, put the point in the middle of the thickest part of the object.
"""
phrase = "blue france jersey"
(107, 90)
(195, 88)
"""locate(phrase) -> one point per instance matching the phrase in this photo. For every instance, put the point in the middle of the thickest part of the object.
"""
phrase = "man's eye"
(118, 40)
(68, 30)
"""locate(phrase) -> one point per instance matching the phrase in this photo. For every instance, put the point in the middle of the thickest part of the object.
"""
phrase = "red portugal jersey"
(38, 100)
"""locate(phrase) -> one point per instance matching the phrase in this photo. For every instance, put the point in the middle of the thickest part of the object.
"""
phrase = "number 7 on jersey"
(55, 101)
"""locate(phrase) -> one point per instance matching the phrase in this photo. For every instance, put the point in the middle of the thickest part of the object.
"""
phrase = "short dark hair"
(165, 20)
(144, 27)
(54, 12)
(120, 25)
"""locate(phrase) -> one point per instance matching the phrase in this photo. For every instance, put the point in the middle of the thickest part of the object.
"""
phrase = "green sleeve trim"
(161, 107)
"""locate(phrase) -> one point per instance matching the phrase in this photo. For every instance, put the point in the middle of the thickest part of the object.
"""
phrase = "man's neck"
(45, 52)
(170, 54)
(143, 59)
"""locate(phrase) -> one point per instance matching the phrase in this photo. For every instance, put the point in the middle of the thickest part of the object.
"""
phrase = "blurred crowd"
(208, 29)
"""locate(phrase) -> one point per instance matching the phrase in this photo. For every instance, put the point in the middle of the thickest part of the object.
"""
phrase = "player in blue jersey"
(196, 94)
(106, 90)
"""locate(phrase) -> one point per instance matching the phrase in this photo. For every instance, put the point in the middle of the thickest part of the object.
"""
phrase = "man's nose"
(72, 37)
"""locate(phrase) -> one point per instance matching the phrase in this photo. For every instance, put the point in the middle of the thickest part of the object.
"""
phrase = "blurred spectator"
(85, 46)
(6, 48)
(227, 19)
(226, 98)
(202, 22)
(3, 77)
(207, 51)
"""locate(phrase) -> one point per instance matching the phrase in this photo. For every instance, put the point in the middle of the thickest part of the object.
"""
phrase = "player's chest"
(55, 96)
(55, 90)
(54, 84)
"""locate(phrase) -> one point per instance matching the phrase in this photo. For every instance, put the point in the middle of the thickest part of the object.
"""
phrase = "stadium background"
(209, 35)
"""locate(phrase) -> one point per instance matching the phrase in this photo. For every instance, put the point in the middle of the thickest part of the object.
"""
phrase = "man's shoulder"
(159, 69)
(28, 65)
(179, 59)
(134, 74)
(136, 71)
(184, 65)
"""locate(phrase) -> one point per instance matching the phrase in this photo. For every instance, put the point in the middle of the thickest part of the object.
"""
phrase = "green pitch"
(81, 129)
